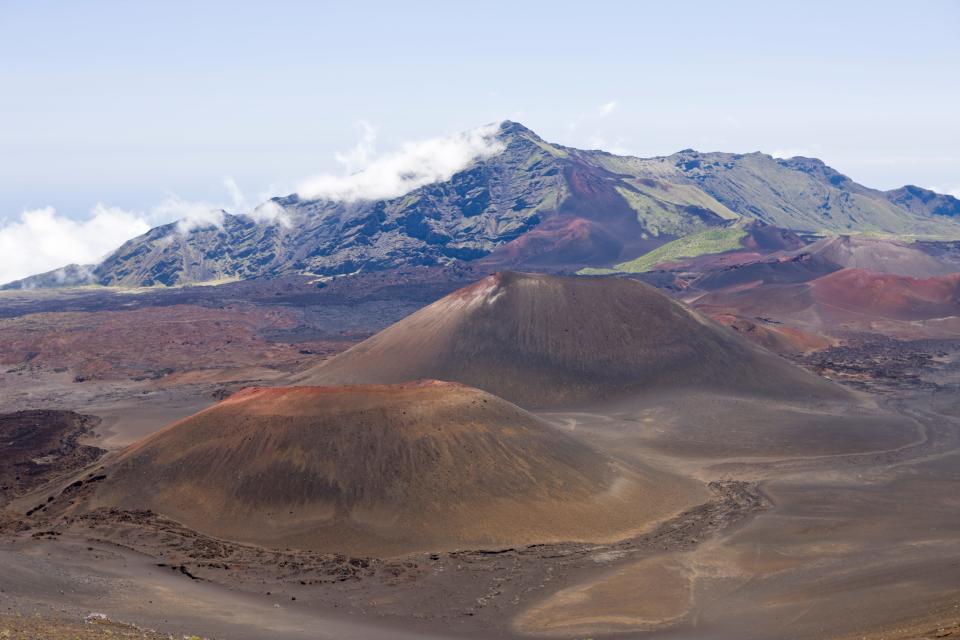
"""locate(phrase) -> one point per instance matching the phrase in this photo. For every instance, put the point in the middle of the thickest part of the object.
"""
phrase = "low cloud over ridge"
(41, 240)
(415, 164)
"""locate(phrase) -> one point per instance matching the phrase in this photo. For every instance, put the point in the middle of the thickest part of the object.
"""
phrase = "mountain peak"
(546, 204)
(512, 132)
(509, 127)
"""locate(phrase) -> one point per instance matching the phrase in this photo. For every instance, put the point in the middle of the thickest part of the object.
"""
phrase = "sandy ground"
(823, 521)
(862, 544)
(129, 410)
(73, 579)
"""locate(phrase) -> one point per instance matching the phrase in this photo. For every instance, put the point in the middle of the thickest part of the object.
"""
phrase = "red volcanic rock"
(889, 296)
(836, 304)
(777, 338)
(558, 242)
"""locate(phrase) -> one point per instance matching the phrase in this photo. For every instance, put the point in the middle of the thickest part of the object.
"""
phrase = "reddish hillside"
(833, 305)
(381, 470)
(861, 292)
(816, 260)
(547, 341)
(775, 337)
(557, 242)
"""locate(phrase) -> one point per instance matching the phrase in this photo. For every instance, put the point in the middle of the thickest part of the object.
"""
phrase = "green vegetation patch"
(661, 208)
(596, 271)
(698, 244)
(556, 152)
(687, 194)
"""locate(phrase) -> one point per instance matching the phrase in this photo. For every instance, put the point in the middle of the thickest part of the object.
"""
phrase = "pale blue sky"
(126, 103)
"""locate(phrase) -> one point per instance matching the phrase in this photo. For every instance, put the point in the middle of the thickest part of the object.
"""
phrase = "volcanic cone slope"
(547, 341)
(383, 470)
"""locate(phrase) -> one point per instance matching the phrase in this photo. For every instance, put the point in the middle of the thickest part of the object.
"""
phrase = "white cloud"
(189, 215)
(608, 108)
(237, 196)
(41, 240)
(363, 153)
(414, 165)
(270, 212)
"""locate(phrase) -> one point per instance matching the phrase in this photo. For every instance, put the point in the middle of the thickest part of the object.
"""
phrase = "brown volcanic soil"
(796, 265)
(381, 470)
(151, 342)
(270, 324)
(881, 256)
(557, 242)
(542, 341)
(778, 269)
(142, 359)
(37, 446)
(764, 237)
(777, 338)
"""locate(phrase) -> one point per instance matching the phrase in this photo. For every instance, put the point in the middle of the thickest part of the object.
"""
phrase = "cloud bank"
(267, 212)
(41, 240)
(189, 215)
(415, 164)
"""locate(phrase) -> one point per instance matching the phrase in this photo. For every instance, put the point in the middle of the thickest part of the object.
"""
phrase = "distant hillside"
(845, 302)
(532, 204)
(800, 193)
(547, 341)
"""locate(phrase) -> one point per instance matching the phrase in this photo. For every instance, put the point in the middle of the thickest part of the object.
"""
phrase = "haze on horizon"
(122, 117)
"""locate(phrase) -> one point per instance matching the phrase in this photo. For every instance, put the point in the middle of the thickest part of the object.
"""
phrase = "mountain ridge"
(533, 203)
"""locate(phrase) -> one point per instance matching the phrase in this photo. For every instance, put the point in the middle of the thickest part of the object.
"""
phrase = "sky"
(115, 116)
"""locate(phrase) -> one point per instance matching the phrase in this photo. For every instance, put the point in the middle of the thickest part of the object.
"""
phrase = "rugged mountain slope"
(531, 204)
(381, 470)
(72, 275)
(529, 185)
(798, 193)
(548, 341)
(924, 201)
